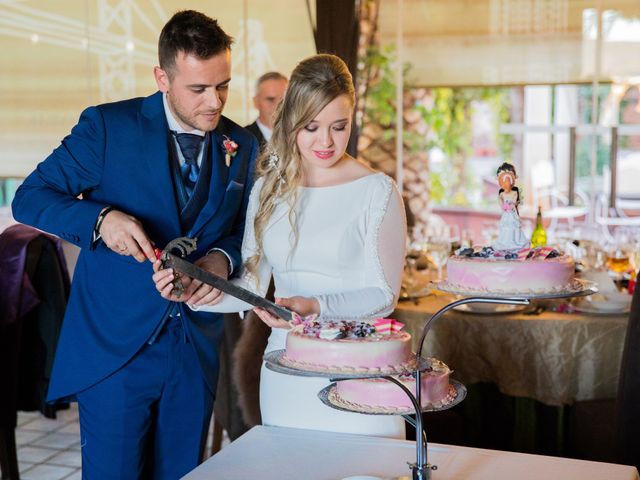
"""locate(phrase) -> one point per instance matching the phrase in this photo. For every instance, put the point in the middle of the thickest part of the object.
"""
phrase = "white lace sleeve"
(245, 280)
(385, 244)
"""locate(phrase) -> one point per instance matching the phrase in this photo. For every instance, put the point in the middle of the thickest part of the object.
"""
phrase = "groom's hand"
(125, 235)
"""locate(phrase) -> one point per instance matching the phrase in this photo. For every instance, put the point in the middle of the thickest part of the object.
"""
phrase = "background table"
(554, 358)
(273, 453)
(536, 383)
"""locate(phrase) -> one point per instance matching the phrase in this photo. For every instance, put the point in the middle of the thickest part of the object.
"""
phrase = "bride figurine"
(510, 235)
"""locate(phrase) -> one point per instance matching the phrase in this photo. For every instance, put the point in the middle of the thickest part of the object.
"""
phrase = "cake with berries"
(379, 346)
(509, 266)
(523, 271)
(380, 395)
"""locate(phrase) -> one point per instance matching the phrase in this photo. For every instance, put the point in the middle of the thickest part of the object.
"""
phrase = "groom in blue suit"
(132, 175)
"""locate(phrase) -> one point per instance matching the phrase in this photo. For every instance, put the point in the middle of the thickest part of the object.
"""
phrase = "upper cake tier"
(492, 274)
(357, 347)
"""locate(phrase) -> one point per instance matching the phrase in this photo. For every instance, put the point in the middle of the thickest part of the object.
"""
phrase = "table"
(275, 453)
(554, 358)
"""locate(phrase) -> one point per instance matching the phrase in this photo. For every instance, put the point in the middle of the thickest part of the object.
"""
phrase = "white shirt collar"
(266, 131)
(173, 123)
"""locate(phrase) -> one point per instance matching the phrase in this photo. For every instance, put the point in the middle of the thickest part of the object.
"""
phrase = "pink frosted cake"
(358, 347)
(380, 395)
(539, 270)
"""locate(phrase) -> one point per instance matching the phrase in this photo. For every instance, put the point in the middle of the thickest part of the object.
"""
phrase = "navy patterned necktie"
(190, 147)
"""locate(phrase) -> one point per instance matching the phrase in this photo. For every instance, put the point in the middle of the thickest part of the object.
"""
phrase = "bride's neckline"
(338, 185)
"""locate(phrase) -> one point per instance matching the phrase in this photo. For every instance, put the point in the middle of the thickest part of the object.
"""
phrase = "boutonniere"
(230, 150)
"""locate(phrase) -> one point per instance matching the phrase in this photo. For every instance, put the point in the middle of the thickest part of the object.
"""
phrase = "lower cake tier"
(386, 353)
(383, 395)
(510, 276)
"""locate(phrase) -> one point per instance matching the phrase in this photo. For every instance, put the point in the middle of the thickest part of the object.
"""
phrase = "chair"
(34, 287)
(627, 200)
(554, 200)
(627, 446)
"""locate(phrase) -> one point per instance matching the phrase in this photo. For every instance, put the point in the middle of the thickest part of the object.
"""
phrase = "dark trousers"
(148, 420)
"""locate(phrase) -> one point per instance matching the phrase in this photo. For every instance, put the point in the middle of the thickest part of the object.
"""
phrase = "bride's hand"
(303, 306)
(271, 320)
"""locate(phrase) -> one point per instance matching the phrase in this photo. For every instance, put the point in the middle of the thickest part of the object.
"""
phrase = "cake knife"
(184, 246)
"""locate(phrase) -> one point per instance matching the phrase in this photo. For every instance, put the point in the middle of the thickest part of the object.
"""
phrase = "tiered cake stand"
(421, 469)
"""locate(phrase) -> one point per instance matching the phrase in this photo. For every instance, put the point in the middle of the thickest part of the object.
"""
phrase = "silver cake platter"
(494, 309)
(327, 396)
(577, 288)
(274, 361)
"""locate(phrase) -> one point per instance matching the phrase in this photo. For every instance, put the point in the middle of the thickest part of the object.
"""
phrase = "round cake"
(345, 347)
(380, 395)
(539, 270)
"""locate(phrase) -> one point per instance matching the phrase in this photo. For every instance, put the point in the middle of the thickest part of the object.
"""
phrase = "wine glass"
(593, 256)
(438, 249)
(618, 261)
(409, 281)
(619, 252)
(489, 232)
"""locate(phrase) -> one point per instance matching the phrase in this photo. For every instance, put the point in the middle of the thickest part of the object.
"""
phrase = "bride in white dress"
(331, 231)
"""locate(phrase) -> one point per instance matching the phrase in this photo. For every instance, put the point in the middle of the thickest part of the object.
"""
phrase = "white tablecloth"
(273, 453)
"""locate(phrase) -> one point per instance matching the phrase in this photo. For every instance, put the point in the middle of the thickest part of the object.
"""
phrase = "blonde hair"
(315, 82)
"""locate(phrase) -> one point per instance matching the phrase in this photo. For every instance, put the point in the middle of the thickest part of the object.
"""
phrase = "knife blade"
(187, 268)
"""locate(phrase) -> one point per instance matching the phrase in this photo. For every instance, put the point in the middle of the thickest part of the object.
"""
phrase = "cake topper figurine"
(510, 236)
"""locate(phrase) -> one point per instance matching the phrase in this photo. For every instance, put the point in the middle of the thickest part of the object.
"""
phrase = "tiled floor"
(50, 449)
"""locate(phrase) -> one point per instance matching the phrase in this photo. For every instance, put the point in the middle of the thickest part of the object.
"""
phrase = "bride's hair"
(507, 169)
(314, 83)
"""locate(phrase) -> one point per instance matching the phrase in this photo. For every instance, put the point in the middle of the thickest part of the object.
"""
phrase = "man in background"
(270, 89)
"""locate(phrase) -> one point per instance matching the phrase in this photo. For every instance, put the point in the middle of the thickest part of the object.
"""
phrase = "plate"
(489, 308)
(328, 397)
(577, 288)
(601, 308)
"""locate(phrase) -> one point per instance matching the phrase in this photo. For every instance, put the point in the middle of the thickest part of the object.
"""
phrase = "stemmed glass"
(437, 246)
(409, 281)
(620, 252)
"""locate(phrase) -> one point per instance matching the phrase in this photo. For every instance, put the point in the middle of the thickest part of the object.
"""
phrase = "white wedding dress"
(349, 255)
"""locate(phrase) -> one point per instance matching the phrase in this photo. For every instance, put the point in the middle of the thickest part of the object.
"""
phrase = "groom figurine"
(131, 176)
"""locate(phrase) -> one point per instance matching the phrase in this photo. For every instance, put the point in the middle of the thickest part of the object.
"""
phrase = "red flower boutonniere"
(230, 150)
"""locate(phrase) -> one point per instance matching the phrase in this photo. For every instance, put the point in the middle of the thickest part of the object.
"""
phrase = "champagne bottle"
(539, 236)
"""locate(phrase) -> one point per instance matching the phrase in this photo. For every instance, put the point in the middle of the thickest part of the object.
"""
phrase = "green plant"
(447, 116)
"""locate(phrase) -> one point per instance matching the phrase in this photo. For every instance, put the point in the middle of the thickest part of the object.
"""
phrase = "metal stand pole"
(422, 469)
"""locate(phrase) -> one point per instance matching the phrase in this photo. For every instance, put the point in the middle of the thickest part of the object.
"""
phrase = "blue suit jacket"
(118, 154)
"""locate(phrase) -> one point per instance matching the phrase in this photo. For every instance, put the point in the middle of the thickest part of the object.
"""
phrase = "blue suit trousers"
(149, 419)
